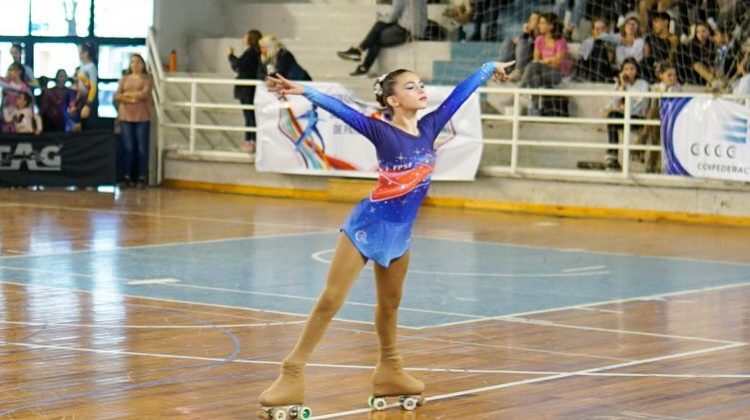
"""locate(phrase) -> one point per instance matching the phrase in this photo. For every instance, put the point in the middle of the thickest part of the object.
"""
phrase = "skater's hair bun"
(384, 86)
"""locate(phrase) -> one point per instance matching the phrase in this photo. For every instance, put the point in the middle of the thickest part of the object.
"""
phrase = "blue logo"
(735, 130)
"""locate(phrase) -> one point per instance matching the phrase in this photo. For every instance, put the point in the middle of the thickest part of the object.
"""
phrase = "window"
(123, 18)
(14, 19)
(5, 58)
(107, 99)
(49, 57)
(60, 17)
(113, 59)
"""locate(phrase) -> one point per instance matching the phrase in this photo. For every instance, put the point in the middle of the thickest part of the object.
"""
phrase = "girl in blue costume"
(379, 227)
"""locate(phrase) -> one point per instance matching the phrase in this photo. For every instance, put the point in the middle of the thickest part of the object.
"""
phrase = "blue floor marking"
(511, 279)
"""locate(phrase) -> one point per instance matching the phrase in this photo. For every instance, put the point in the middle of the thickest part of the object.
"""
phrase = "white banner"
(706, 138)
(296, 137)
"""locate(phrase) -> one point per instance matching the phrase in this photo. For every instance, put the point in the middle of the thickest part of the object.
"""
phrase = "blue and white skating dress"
(380, 225)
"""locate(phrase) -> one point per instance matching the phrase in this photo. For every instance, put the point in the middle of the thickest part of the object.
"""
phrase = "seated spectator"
(21, 118)
(13, 85)
(276, 59)
(54, 103)
(659, 45)
(550, 61)
(695, 61)
(743, 85)
(461, 13)
(707, 12)
(521, 48)
(728, 54)
(651, 134)
(646, 8)
(576, 8)
(407, 19)
(16, 50)
(629, 41)
(627, 81)
(597, 54)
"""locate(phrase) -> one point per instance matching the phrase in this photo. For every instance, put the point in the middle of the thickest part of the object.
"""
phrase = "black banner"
(58, 159)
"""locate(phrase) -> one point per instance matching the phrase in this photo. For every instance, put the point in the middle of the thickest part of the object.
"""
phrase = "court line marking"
(604, 302)
(583, 251)
(166, 216)
(127, 326)
(584, 372)
(166, 244)
(317, 256)
(543, 379)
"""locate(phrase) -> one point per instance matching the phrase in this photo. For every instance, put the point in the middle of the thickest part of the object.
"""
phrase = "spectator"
(597, 54)
(54, 103)
(743, 85)
(576, 8)
(651, 134)
(659, 45)
(629, 41)
(88, 85)
(646, 8)
(521, 48)
(21, 118)
(133, 96)
(407, 19)
(728, 53)
(13, 85)
(276, 59)
(695, 60)
(627, 81)
(550, 58)
(487, 11)
(707, 13)
(246, 66)
(461, 12)
(16, 50)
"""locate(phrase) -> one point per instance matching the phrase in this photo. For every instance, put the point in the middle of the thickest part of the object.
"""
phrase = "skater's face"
(409, 93)
(668, 77)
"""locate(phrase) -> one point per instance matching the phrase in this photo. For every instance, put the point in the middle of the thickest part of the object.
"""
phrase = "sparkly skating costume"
(380, 225)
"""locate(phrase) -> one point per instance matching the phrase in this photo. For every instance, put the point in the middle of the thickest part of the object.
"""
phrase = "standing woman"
(133, 96)
(246, 66)
(276, 59)
(88, 85)
(378, 229)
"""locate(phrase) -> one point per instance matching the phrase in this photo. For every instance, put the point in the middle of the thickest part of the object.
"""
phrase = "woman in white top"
(630, 43)
(627, 81)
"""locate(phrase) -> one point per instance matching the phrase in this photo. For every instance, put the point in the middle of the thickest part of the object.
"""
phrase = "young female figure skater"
(378, 229)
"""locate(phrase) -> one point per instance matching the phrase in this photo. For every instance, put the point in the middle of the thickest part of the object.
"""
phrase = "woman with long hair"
(133, 97)
(378, 229)
(246, 66)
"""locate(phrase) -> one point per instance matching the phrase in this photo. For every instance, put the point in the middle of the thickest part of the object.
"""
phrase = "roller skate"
(390, 381)
(283, 399)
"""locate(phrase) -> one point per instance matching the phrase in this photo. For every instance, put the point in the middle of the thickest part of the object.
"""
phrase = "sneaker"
(350, 54)
(613, 165)
(359, 72)
(515, 76)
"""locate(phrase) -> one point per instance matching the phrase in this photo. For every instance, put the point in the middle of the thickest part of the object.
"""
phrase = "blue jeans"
(135, 148)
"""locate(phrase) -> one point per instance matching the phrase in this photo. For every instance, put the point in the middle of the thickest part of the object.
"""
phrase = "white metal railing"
(516, 118)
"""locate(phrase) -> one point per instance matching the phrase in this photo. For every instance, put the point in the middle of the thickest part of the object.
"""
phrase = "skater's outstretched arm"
(437, 119)
(358, 121)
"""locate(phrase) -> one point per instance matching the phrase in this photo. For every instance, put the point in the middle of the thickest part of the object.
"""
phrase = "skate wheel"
(409, 403)
(278, 414)
(377, 403)
(305, 413)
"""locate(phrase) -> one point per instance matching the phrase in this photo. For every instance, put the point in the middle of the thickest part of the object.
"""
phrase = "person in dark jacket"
(276, 59)
(246, 66)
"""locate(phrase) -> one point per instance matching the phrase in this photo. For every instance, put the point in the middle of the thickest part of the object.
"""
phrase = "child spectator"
(551, 59)
(21, 117)
(13, 85)
(627, 81)
(54, 103)
(650, 134)
(659, 45)
(597, 54)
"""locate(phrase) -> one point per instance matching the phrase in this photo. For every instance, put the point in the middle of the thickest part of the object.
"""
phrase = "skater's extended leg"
(346, 266)
(389, 377)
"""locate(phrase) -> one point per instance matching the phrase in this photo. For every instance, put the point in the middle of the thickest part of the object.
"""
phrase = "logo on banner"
(13, 158)
(735, 130)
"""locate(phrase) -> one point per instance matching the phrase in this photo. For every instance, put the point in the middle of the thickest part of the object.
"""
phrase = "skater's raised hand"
(500, 73)
(282, 87)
